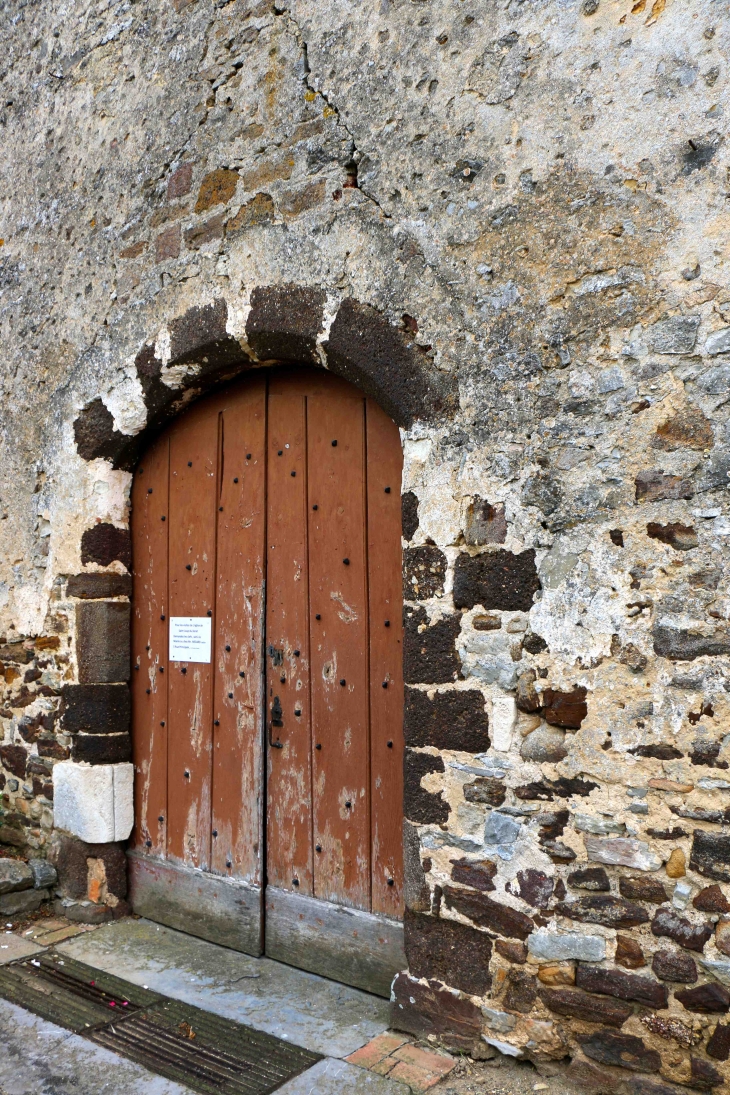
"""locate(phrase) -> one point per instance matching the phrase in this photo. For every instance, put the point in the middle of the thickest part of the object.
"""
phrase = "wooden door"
(290, 484)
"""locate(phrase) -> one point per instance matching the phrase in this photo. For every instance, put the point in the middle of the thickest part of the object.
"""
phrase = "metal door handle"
(276, 720)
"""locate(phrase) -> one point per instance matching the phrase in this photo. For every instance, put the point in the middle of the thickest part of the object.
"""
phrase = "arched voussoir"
(285, 323)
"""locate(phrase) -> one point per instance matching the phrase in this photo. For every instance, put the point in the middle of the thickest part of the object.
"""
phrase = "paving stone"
(374, 1051)
(420, 1069)
(13, 947)
(331, 1077)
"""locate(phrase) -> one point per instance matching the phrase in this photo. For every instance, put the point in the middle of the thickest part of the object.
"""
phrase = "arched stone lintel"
(283, 324)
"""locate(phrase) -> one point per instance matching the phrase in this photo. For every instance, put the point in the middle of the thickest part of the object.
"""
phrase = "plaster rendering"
(507, 223)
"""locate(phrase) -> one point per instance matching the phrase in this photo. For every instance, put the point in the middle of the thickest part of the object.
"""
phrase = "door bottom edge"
(347, 945)
(212, 907)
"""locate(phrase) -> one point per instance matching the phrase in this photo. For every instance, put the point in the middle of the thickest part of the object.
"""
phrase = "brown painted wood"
(339, 643)
(194, 450)
(237, 798)
(384, 470)
(289, 813)
(271, 518)
(149, 647)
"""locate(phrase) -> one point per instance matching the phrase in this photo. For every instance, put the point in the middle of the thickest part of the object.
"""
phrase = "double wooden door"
(269, 777)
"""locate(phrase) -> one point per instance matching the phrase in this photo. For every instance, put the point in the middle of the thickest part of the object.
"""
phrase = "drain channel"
(209, 1054)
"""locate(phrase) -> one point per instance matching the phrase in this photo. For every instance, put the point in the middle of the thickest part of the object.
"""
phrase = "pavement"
(361, 1056)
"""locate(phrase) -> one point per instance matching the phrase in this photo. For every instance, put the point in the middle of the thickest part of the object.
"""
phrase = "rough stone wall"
(532, 198)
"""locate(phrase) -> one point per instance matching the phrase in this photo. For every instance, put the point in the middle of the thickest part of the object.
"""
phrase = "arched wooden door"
(267, 681)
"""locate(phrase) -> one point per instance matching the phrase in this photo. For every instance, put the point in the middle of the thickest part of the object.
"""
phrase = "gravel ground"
(505, 1076)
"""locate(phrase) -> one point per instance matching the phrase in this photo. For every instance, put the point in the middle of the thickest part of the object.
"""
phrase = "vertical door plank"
(193, 509)
(149, 647)
(287, 640)
(339, 644)
(384, 469)
(236, 847)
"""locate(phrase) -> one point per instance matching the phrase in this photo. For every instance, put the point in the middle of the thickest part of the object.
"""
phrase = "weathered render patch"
(507, 224)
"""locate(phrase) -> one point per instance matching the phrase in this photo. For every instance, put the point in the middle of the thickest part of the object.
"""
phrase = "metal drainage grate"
(211, 1055)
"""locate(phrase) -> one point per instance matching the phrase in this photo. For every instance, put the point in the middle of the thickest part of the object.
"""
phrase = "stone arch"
(286, 323)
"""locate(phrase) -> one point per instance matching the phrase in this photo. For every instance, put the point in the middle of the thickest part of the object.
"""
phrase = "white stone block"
(123, 800)
(93, 802)
(504, 716)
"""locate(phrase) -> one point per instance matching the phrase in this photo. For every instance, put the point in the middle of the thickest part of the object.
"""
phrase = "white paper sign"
(190, 638)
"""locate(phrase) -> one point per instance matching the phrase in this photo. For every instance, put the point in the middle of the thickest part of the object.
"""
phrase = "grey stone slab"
(562, 946)
(332, 1077)
(39, 1058)
(14, 875)
(14, 946)
(300, 1007)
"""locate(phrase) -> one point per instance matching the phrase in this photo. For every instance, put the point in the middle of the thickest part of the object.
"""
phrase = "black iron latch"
(276, 720)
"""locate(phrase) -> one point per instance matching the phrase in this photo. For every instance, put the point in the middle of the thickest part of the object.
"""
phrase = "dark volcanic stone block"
(533, 886)
(416, 893)
(485, 912)
(705, 998)
(629, 953)
(428, 1009)
(424, 572)
(14, 758)
(96, 586)
(448, 951)
(429, 651)
(200, 336)
(719, 1043)
(105, 543)
(711, 855)
(590, 1009)
(590, 878)
(704, 1075)
(284, 322)
(625, 986)
(604, 909)
(643, 889)
(423, 807)
(496, 580)
(613, 1048)
(685, 646)
(102, 748)
(69, 856)
(485, 789)
(96, 708)
(521, 992)
(566, 709)
(691, 936)
(477, 873)
(512, 950)
(102, 641)
(364, 348)
(409, 514)
(711, 899)
(673, 966)
(451, 720)
(94, 433)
